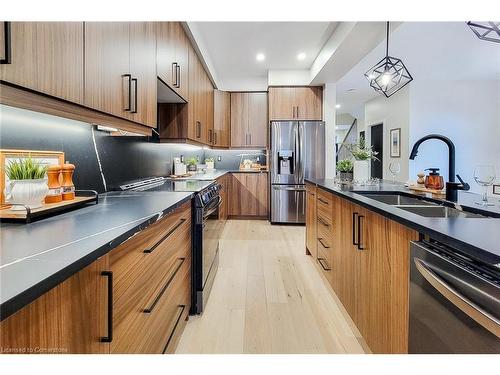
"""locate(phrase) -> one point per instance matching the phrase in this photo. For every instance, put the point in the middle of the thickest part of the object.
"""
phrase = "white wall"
(329, 113)
(394, 113)
(288, 77)
(467, 112)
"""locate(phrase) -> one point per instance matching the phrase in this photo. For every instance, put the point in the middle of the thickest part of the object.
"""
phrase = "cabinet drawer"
(325, 255)
(150, 324)
(147, 244)
(325, 205)
(324, 221)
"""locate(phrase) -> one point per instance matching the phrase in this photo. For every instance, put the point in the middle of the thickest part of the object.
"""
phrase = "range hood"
(165, 94)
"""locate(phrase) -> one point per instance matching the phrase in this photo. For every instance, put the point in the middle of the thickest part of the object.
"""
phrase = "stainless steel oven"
(454, 302)
(207, 232)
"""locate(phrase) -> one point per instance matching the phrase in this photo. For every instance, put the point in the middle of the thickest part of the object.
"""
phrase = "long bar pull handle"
(354, 235)
(475, 312)
(151, 307)
(198, 129)
(174, 74)
(323, 201)
(323, 244)
(324, 264)
(297, 112)
(128, 106)
(134, 80)
(215, 137)
(109, 337)
(178, 76)
(181, 309)
(7, 55)
(360, 232)
(320, 220)
(169, 233)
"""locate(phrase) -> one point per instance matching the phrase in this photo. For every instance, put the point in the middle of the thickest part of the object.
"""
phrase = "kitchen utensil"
(68, 188)
(433, 180)
(55, 191)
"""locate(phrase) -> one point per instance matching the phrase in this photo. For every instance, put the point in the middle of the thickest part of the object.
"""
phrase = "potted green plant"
(363, 155)
(209, 163)
(345, 167)
(191, 163)
(27, 185)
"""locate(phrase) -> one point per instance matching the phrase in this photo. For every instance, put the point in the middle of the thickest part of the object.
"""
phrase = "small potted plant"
(345, 167)
(362, 154)
(209, 163)
(191, 163)
(27, 184)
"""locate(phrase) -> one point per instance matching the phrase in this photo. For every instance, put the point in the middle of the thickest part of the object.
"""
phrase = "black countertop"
(478, 238)
(36, 257)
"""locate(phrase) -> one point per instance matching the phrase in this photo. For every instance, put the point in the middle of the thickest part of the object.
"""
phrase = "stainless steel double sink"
(426, 207)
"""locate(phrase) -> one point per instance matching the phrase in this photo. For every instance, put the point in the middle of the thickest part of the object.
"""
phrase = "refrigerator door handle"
(289, 188)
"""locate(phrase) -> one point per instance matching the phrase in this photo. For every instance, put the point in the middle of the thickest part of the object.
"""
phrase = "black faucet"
(451, 185)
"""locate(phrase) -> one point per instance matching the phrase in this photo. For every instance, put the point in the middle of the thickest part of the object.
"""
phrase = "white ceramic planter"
(361, 171)
(210, 165)
(27, 192)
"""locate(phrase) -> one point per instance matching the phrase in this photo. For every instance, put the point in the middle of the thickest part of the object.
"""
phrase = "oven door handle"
(212, 209)
(475, 312)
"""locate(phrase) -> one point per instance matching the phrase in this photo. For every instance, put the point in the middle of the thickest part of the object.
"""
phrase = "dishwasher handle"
(471, 309)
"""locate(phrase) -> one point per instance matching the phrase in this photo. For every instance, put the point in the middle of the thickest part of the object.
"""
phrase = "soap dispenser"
(433, 180)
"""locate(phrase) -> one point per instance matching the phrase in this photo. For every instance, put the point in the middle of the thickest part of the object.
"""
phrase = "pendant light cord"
(387, 42)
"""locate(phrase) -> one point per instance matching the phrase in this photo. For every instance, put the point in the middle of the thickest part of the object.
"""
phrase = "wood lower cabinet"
(311, 221)
(249, 119)
(70, 318)
(368, 256)
(248, 195)
(224, 181)
(296, 103)
(222, 118)
(47, 57)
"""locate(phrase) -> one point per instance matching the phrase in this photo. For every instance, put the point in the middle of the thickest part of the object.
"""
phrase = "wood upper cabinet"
(120, 72)
(311, 218)
(47, 57)
(296, 103)
(4, 53)
(143, 71)
(249, 119)
(173, 57)
(222, 118)
(248, 194)
(209, 114)
(70, 318)
(108, 81)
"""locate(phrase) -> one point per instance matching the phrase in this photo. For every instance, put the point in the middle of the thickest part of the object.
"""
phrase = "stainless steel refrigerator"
(297, 152)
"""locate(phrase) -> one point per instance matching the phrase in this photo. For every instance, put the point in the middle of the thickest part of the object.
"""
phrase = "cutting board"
(423, 189)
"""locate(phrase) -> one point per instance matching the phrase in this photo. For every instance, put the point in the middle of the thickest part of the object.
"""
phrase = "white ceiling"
(232, 48)
(431, 51)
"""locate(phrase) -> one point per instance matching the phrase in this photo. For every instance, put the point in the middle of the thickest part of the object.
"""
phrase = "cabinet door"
(193, 127)
(239, 119)
(249, 194)
(281, 103)
(209, 100)
(47, 57)
(107, 61)
(257, 119)
(182, 59)
(308, 103)
(70, 318)
(222, 102)
(143, 71)
(311, 221)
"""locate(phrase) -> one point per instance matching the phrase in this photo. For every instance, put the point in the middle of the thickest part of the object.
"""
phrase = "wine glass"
(394, 168)
(484, 176)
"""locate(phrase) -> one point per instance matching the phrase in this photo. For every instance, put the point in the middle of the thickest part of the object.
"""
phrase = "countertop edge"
(29, 295)
(437, 235)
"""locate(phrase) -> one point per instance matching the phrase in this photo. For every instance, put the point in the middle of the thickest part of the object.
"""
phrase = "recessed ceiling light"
(301, 56)
(337, 105)
(260, 57)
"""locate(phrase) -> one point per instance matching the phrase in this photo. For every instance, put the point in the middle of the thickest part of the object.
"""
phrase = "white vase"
(28, 193)
(210, 165)
(361, 171)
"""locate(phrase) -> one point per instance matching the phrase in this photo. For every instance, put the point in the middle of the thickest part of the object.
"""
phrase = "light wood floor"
(268, 297)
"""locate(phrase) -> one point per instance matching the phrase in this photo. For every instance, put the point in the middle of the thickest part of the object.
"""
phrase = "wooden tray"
(48, 209)
(423, 189)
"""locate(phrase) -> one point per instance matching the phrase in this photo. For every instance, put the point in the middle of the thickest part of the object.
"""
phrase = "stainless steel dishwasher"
(454, 302)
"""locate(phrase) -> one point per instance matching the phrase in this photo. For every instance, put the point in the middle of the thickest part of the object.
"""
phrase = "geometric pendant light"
(389, 75)
(489, 31)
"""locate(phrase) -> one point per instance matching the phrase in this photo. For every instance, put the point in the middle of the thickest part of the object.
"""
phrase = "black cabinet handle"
(169, 233)
(322, 262)
(215, 137)
(178, 76)
(109, 337)
(354, 235)
(322, 244)
(323, 201)
(360, 230)
(7, 59)
(210, 136)
(134, 80)
(181, 311)
(320, 220)
(149, 309)
(198, 129)
(128, 107)
(174, 74)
